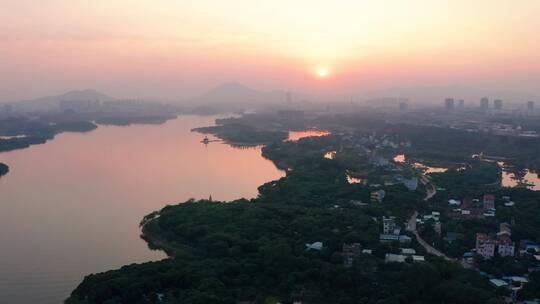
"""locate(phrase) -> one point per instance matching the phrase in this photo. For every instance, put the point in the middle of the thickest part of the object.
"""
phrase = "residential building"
(527, 246)
(489, 201)
(394, 238)
(389, 224)
(378, 196)
(418, 258)
(453, 202)
(408, 251)
(394, 258)
(349, 252)
(505, 246)
(485, 246)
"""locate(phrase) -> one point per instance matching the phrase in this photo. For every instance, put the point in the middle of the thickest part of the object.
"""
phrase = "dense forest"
(255, 250)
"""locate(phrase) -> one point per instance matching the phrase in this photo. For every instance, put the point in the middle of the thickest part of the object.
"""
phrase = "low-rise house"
(318, 246)
(394, 258)
(509, 204)
(497, 283)
(453, 202)
(378, 196)
(408, 251)
(418, 258)
(528, 246)
(468, 257)
(394, 238)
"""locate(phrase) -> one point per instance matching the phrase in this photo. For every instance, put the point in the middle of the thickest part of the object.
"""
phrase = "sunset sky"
(176, 49)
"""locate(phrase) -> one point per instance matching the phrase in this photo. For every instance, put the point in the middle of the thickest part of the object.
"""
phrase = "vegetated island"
(294, 242)
(243, 135)
(4, 169)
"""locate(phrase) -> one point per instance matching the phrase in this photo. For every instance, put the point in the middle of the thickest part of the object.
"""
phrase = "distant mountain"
(51, 102)
(435, 95)
(234, 93)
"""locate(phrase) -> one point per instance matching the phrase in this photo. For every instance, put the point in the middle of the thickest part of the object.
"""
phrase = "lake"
(72, 206)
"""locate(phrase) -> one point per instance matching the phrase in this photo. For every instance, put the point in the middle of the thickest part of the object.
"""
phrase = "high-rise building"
(288, 97)
(484, 103)
(530, 106)
(449, 104)
(403, 106)
(461, 104)
(498, 104)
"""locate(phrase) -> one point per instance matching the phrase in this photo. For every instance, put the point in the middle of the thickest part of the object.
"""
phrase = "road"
(430, 187)
(411, 226)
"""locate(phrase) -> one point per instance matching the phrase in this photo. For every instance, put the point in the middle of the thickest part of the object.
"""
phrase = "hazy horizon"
(172, 50)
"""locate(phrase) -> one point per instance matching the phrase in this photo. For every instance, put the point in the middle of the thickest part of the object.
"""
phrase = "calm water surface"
(71, 207)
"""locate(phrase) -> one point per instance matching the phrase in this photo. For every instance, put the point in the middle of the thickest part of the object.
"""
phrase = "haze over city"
(179, 49)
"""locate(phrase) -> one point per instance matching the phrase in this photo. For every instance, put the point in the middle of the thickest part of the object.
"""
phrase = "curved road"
(411, 224)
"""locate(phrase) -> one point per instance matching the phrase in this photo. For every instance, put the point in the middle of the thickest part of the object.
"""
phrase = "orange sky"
(173, 49)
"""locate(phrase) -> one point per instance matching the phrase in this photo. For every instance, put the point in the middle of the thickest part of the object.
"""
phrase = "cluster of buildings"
(452, 104)
(392, 232)
(501, 243)
(473, 208)
(434, 218)
(406, 253)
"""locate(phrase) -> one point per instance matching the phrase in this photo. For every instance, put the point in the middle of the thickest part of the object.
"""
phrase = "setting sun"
(322, 72)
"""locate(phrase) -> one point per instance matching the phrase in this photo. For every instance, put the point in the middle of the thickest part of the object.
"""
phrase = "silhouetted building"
(288, 97)
(498, 104)
(80, 106)
(461, 104)
(291, 114)
(484, 103)
(449, 104)
(530, 106)
(403, 106)
(7, 109)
